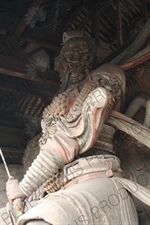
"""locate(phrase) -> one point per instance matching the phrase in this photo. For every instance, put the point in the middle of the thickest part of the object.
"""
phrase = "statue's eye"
(85, 51)
(84, 57)
(103, 81)
(115, 88)
(69, 59)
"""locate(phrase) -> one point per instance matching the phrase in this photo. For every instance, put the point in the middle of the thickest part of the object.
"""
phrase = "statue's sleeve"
(89, 122)
(56, 149)
(65, 137)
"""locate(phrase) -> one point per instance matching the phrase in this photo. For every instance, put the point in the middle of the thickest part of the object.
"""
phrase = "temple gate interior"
(30, 40)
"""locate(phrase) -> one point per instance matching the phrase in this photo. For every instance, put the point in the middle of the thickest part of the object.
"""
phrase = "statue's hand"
(14, 191)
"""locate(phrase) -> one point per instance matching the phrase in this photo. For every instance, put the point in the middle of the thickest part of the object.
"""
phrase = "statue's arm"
(70, 138)
(58, 150)
(73, 135)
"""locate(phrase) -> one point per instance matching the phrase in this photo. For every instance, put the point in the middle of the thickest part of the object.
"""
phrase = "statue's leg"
(37, 222)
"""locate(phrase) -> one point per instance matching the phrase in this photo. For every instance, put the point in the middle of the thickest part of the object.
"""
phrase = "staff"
(18, 204)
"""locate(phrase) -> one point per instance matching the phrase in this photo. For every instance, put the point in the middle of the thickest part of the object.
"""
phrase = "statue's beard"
(76, 75)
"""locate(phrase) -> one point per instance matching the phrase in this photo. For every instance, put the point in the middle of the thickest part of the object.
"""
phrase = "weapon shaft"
(18, 204)
(5, 165)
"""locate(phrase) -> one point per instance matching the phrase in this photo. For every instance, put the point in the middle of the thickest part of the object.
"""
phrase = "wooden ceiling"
(30, 39)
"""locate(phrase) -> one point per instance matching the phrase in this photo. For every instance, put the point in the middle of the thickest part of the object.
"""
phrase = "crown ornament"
(67, 35)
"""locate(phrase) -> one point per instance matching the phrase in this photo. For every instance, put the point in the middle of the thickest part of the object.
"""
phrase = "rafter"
(17, 68)
(15, 136)
(144, 11)
(12, 154)
(36, 35)
(119, 23)
(71, 16)
(24, 89)
(19, 119)
(120, 49)
(43, 38)
(13, 150)
(23, 24)
(100, 9)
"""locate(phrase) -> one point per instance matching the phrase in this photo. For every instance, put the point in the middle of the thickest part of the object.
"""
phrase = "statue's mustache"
(77, 65)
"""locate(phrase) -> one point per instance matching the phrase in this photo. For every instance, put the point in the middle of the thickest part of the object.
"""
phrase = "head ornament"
(67, 35)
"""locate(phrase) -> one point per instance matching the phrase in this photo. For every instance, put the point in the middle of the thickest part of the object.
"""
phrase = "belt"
(92, 176)
(91, 167)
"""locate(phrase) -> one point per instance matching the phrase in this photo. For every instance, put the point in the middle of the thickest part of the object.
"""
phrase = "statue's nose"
(74, 64)
(76, 55)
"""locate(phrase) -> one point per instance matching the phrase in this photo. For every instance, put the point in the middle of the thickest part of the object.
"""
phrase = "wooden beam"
(144, 11)
(44, 38)
(12, 150)
(2, 31)
(5, 20)
(17, 68)
(140, 40)
(100, 9)
(136, 22)
(119, 24)
(119, 50)
(138, 59)
(94, 21)
(36, 35)
(71, 16)
(12, 154)
(26, 1)
(4, 24)
(131, 49)
(12, 134)
(20, 119)
(93, 12)
(44, 42)
(23, 24)
(56, 13)
(13, 124)
(84, 22)
(17, 122)
(25, 90)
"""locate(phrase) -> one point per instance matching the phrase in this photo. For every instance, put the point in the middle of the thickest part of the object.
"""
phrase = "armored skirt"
(97, 201)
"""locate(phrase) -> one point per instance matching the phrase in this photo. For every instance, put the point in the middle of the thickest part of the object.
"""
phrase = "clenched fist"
(14, 191)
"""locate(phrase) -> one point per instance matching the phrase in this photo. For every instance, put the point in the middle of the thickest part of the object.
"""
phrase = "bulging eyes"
(103, 81)
(69, 59)
(115, 88)
(85, 57)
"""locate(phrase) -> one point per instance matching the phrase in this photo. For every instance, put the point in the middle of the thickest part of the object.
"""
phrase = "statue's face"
(76, 52)
(76, 58)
